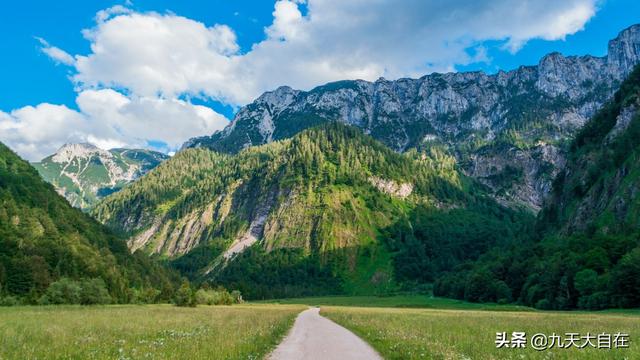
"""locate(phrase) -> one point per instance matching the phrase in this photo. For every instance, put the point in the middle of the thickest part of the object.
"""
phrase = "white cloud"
(157, 59)
(151, 53)
(287, 21)
(106, 119)
(56, 54)
(105, 14)
(34, 131)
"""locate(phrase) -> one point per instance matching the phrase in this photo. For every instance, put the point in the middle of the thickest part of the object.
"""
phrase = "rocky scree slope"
(508, 130)
(84, 174)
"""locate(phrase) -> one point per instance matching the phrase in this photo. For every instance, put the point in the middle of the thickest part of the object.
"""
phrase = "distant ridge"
(84, 173)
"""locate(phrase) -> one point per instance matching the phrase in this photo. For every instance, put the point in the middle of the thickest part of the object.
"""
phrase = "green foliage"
(68, 291)
(585, 252)
(318, 188)
(432, 241)
(94, 291)
(625, 280)
(258, 274)
(147, 295)
(63, 291)
(43, 239)
(9, 301)
(330, 229)
(219, 296)
(185, 296)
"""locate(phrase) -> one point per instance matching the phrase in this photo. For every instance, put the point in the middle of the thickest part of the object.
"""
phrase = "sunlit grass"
(471, 334)
(402, 301)
(143, 332)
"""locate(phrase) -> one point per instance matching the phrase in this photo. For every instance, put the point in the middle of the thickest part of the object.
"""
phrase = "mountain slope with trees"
(46, 245)
(589, 255)
(301, 216)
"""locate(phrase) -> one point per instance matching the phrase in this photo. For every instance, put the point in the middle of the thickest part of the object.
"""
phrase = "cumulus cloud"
(152, 53)
(106, 119)
(156, 59)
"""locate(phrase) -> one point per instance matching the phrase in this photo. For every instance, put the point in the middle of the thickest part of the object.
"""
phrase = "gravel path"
(316, 337)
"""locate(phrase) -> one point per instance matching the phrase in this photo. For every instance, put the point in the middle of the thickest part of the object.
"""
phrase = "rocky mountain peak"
(280, 96)
(68, 152)
(624, 50)
(84, 173)
(494, 124)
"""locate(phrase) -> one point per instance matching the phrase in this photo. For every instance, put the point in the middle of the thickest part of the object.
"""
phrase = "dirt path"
(316, 337)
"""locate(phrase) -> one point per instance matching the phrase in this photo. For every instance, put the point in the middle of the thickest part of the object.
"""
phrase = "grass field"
(471, 334)
(399, 327)
(401, 301)
(143, 332)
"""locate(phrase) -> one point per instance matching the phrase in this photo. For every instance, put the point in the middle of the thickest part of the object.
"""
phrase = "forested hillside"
(314, 211)
(44, 241)
(590, 253)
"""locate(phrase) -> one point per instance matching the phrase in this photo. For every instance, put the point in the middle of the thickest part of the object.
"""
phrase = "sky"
(154, 73)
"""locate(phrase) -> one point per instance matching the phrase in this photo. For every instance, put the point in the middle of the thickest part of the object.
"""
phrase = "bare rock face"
(519, 119)
(401, 190)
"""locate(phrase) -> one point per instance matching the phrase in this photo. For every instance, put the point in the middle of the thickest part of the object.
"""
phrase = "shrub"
(543, 304)
(237, 297)
(9, 301)
(68, 291)
(219, 296)
(63, 291)
(185, 296)
(94, 292)
(145, 296)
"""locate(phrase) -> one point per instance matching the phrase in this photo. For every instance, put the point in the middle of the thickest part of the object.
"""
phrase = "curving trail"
(316, 337)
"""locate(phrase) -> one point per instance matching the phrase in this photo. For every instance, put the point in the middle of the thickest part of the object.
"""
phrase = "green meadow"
(398, 327)
(143, 331)
(471, 334)
(400, 301)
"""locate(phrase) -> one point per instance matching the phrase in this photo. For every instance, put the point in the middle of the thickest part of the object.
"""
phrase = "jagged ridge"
(507, 129)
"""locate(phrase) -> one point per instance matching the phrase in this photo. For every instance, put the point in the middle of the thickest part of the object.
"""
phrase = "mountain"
(305, 215)
(508, 130)
(84, 174)
(44, 239)
(587, 250)
(599, 189)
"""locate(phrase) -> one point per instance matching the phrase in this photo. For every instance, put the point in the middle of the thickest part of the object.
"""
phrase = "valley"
(447, 329)
(190, 204)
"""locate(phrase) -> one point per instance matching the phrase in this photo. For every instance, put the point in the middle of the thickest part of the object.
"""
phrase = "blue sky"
(30, 77)
(247, 47)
